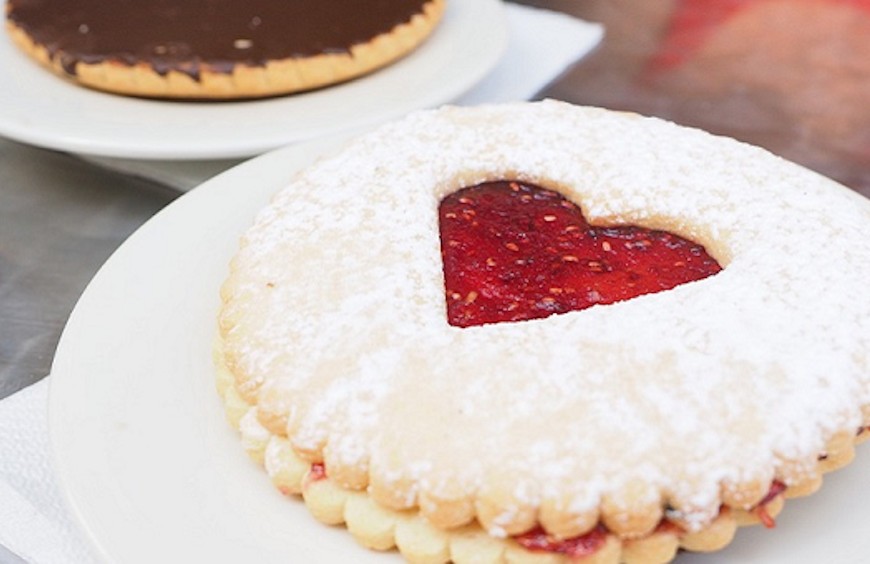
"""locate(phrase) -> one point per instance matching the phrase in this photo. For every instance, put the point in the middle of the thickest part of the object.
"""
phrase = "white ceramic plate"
(154, 473)
(42, 109)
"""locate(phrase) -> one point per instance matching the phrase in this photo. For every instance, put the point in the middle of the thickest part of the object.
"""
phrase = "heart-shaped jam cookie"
(514, 251)
(730, 369)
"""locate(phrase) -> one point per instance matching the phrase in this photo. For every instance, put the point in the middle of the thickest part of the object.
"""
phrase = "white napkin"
(541, 44)
(34, 522)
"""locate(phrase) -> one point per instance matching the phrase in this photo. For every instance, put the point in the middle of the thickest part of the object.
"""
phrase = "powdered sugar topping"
(337, 297)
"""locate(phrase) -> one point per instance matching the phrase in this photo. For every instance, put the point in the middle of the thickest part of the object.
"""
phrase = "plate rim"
(60, 383)
(225, 186)
(19, 124)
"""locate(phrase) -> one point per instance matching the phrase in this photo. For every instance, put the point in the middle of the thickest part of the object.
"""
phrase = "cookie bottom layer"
(275, 78)
(380, 528)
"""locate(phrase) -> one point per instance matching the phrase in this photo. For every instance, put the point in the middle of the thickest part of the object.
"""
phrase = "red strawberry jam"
(316, 473)
(537, 540)
(514, 251)
(776, 488)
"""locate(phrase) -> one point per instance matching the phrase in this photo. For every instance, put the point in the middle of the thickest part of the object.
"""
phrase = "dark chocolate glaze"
(185, 35)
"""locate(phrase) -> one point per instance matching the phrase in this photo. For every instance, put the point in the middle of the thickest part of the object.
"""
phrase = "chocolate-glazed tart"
(222, 49)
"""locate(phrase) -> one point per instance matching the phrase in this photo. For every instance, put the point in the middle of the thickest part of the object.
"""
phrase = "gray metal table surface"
(60, 219)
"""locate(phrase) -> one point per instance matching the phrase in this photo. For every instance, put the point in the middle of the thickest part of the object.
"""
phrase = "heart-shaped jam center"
(514, 251)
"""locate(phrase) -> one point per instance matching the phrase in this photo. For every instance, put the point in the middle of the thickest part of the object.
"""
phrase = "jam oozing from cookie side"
(538, 540)
(514, 251)
(587, 544)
